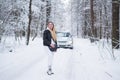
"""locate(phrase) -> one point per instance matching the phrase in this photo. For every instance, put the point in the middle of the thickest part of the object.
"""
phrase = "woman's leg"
(50, 60)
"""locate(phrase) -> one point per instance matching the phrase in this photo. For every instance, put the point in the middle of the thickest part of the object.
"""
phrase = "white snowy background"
(87, 61)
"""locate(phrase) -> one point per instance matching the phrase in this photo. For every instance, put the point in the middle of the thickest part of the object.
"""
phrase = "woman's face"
(50, 25)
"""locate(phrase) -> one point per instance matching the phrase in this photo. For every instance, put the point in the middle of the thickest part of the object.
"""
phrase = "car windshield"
(63, 34)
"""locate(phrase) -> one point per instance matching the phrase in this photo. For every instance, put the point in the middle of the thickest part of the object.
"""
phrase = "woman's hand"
(52, 45)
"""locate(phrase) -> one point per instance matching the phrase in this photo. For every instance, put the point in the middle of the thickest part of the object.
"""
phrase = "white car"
(64, 40)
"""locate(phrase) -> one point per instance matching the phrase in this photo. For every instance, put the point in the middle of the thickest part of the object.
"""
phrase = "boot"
(49, 72)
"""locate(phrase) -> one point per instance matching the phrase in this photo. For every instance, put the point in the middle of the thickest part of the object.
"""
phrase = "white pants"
(50, 57)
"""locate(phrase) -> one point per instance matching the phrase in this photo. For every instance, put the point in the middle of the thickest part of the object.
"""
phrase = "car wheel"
(71, 47)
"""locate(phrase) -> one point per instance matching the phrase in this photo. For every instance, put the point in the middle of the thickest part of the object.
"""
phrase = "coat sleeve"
(46, 42)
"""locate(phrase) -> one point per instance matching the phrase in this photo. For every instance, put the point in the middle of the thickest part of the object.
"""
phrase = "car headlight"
(69, 42)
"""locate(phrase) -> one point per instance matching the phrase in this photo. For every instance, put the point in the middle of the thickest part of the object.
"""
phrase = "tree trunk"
(85, 21)
(30, 18)
(100, 24)
(48, 10)
(92, 21)
(115, 24)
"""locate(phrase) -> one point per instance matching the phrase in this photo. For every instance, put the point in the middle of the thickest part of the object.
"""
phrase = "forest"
(91, 19)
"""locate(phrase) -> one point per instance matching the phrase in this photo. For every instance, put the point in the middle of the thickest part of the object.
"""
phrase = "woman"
(50, 43)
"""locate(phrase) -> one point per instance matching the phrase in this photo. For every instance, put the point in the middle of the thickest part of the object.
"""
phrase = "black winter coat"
(47, 38)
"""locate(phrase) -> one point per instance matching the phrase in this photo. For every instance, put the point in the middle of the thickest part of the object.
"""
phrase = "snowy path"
(17, 64)
(81, 63)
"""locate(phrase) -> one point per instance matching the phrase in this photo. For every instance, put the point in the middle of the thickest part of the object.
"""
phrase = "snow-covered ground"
(84, 62)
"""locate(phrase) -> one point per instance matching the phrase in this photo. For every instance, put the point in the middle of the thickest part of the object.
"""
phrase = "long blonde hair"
(53, 32)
